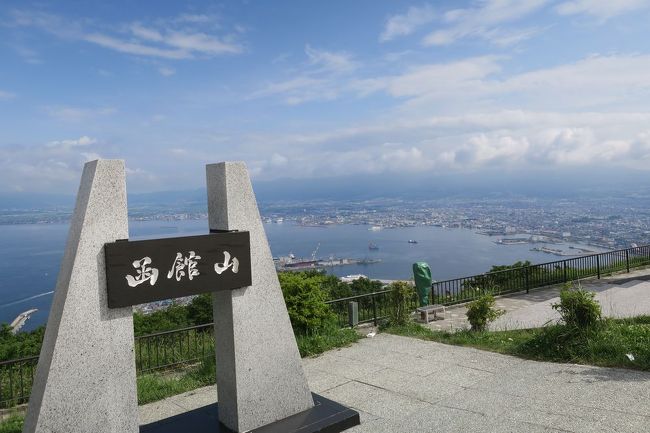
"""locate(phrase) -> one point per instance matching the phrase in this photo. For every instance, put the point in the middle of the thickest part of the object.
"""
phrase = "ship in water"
(412, 241)
(290, 262)
(372, 246)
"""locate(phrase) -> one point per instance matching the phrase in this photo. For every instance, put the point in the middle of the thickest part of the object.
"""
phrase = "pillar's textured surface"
(259, 375)
(85, 381)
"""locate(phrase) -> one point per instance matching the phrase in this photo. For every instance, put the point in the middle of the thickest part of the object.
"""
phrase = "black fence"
(529, 277)
(169, 349)
(163, 350)
(16, 378)
(372, 307)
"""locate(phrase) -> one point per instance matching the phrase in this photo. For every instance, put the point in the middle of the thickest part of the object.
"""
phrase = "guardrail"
(16, 378)
(159, 351)
(372, 307)
(465, 289)
(169, 349)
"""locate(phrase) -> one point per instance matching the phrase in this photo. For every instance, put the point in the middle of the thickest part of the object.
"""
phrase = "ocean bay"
(30, 254)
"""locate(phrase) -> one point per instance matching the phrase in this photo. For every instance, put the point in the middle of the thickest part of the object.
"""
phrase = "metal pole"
(527, 281)
(374, 309)
(627, 260)
(598, 265)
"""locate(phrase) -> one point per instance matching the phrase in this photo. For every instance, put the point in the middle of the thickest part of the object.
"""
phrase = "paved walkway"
(623, 295)
(401, 384)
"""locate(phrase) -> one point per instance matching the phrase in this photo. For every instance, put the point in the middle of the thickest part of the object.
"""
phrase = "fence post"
(527, 280)
(565, 276)
(627, 261)
(598, 265)
(353, 314)
(374, 309)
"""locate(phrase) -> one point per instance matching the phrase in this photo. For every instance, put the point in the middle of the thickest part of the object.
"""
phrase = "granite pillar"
(85, 380)
(259, 372)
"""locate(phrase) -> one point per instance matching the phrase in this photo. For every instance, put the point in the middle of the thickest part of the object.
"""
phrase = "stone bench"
(436, 309)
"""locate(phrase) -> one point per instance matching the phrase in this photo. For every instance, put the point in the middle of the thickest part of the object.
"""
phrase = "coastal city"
(598, 223)
(605, 223)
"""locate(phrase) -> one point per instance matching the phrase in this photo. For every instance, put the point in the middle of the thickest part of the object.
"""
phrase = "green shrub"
(481, 312)
(578, 309)
(400, 296)
(305, 299)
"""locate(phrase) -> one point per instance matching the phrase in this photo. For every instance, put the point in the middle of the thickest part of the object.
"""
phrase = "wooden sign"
(138, 272)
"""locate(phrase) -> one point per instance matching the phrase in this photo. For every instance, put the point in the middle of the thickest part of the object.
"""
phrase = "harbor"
(291, 263)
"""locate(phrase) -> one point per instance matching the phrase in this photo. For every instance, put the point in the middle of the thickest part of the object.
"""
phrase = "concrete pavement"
(402, 384)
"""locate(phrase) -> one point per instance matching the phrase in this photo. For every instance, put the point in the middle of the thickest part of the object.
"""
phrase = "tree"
(199, 311)
(305, 299)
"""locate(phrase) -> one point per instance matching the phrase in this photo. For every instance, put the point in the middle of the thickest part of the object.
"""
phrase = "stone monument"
(86, 380)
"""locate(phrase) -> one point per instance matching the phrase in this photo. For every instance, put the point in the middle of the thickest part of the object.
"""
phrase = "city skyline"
(394, 90)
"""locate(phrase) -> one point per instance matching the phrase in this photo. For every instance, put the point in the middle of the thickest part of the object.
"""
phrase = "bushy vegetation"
(21, 345)
(401, 296)
(305, 299)
(197, 312)
(578, 309)
(481, 312)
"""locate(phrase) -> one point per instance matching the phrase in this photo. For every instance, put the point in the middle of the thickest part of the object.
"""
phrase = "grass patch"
(606, 347)
(315, 344)
(13, 424)
(157, 386)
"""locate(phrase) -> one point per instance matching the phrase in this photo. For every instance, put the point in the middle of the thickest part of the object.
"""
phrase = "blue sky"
(310, 89)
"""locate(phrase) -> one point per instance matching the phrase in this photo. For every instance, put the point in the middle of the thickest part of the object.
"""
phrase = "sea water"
(30, 255)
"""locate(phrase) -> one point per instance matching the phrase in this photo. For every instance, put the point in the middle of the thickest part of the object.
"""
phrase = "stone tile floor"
(400, 384)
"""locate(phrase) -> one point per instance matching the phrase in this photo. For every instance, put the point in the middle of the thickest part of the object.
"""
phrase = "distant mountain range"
(578, 183)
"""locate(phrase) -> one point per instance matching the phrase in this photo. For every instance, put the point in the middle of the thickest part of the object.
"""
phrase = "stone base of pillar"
(326, 416)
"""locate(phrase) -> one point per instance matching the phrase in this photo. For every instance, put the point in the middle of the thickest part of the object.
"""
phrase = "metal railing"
(16, 378)
(159, 351)
(465, 289)
(373, 307)
(172, 348)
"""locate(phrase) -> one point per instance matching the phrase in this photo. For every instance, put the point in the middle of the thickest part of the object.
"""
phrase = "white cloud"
(469, 142)
(68, 144)
(183, 37)
(443, 78)
(407, 23)
(602, 9)
(279, 160)
(475, 84)
(322, 79)
(295, 86)
(330, 61)
(166, 71)
(52, 166)
(484, 21)
(6, 95)
(78, 114)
